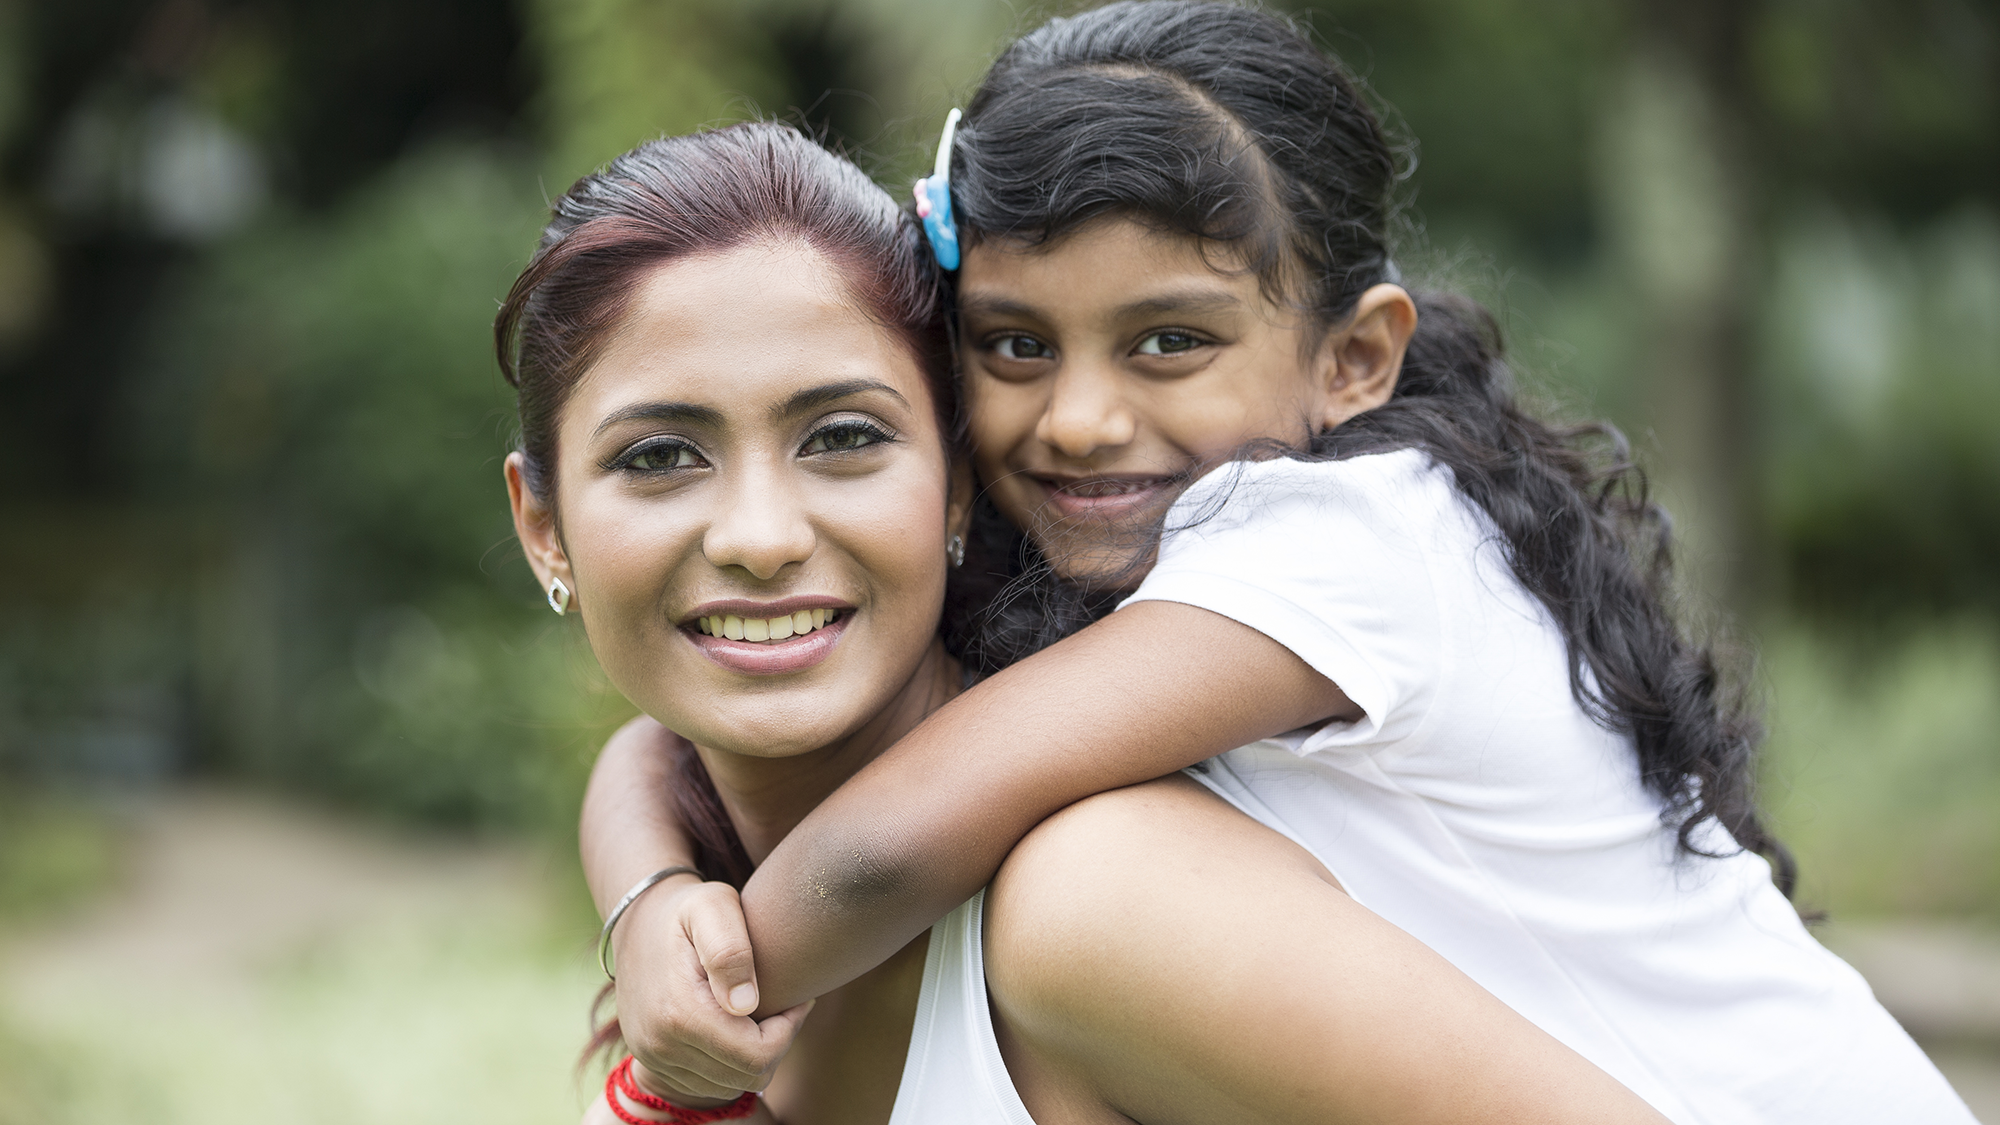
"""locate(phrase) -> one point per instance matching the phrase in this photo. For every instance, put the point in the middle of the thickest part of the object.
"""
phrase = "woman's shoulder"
(1109, 954)
(1090, 870)
(1152, 954)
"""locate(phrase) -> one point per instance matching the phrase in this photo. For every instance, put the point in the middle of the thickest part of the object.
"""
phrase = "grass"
(54, 852)
(458, 990)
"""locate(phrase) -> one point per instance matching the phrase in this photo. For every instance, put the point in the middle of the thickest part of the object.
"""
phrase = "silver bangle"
(617, 912)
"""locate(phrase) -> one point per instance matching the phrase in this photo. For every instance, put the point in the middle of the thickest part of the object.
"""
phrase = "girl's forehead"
(1111, 264)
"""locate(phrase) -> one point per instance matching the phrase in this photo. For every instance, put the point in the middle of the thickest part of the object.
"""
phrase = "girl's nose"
(1086, 413)
(759, 527)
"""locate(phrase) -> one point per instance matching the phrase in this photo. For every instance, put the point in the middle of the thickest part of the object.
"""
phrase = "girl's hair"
(676, 198)
(681, 197)
(1225, 123)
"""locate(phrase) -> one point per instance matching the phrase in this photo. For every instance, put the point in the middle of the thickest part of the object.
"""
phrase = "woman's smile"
(756, 499)
(769, 639)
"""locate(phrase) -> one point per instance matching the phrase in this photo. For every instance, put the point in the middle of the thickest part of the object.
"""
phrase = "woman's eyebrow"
(685, 413)
(812, 398)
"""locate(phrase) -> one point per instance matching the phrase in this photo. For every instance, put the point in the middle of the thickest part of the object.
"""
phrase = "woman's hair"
(676, 198)
(1225, 123)
(681, 197)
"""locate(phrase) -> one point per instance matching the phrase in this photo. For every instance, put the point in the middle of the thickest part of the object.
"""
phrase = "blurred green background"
(262, 622)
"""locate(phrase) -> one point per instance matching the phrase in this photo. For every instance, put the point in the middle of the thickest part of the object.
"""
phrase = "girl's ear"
(1360, 361)
(535, 527)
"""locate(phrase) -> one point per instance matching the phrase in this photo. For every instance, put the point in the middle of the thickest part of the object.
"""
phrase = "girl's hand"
(599, 1111)
(686, 988)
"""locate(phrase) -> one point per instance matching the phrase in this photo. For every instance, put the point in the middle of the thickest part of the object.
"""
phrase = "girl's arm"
(685, 980)
(1154, 953)
(1153, 688)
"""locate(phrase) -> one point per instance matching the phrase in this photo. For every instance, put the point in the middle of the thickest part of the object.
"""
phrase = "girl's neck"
(767, 797)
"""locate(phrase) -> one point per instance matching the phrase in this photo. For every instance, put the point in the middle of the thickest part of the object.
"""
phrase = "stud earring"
(954, 549)
(558, 596)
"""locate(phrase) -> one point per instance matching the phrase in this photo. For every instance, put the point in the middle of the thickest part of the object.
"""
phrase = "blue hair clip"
(934, 200)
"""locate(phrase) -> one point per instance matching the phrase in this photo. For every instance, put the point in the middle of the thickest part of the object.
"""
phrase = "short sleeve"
(1331, 559)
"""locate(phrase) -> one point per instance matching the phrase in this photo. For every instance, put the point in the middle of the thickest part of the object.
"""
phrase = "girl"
(736, 406)
(1418, 642)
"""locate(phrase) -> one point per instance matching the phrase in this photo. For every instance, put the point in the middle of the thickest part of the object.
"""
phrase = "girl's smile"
(1105, 496)
(1106, 370)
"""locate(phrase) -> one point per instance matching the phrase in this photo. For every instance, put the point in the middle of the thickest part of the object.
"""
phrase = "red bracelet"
(620, 1081)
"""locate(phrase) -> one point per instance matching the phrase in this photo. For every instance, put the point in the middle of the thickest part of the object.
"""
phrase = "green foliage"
(365, 626)
(1883, 770)
(623, 71)
(1882, 355)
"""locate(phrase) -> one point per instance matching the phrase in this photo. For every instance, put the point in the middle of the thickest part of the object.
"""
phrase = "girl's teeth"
(766, 628)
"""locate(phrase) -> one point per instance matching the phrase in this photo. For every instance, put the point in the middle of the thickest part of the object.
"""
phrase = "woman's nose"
(760, 527)
(1086, 413)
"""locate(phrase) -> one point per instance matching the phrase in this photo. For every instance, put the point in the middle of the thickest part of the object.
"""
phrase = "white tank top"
(954, 1074)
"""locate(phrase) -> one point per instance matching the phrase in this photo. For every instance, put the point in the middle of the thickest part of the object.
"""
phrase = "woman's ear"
(535, 527)
(958, 501)
(1359, 362)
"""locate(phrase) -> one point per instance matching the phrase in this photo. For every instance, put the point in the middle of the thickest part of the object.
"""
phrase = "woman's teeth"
(766, 628)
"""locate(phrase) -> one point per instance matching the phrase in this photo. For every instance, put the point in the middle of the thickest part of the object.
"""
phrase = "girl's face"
(1106, 370)
(753, 504)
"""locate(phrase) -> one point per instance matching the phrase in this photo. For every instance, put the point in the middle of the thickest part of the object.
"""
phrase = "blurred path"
(1943, 982)
(263, 962)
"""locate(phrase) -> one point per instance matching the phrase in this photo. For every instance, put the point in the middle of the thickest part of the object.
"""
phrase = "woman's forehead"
(743, 330)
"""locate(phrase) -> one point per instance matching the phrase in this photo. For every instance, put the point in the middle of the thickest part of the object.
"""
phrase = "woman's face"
(753, 504)
(1104, 371)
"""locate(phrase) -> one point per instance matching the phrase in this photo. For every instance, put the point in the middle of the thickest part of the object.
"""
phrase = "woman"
(736, 423)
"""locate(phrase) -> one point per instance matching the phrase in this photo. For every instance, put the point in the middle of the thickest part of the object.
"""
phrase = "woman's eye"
(843, 437)
(1021, 347)
(662, 456)
(1168, 343)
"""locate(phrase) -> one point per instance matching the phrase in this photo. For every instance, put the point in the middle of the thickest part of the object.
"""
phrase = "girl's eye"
(1168, 343)
(844, 437)
(660, 456)
(1021, 347)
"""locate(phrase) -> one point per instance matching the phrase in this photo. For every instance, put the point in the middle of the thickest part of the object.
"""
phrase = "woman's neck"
(767, 797)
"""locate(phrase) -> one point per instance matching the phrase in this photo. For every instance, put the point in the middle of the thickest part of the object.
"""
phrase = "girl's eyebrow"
(997, 307)
(1185, 302)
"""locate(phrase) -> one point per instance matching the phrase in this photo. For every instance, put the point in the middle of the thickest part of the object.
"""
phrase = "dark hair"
(676, 198)
(1226, 123)
(679, 197)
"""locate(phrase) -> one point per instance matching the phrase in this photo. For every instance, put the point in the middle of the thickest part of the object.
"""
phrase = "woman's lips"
(1103, 497)
(767, 657)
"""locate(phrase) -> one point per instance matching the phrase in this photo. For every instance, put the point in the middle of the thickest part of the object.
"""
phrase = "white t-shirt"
(1476, 806)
